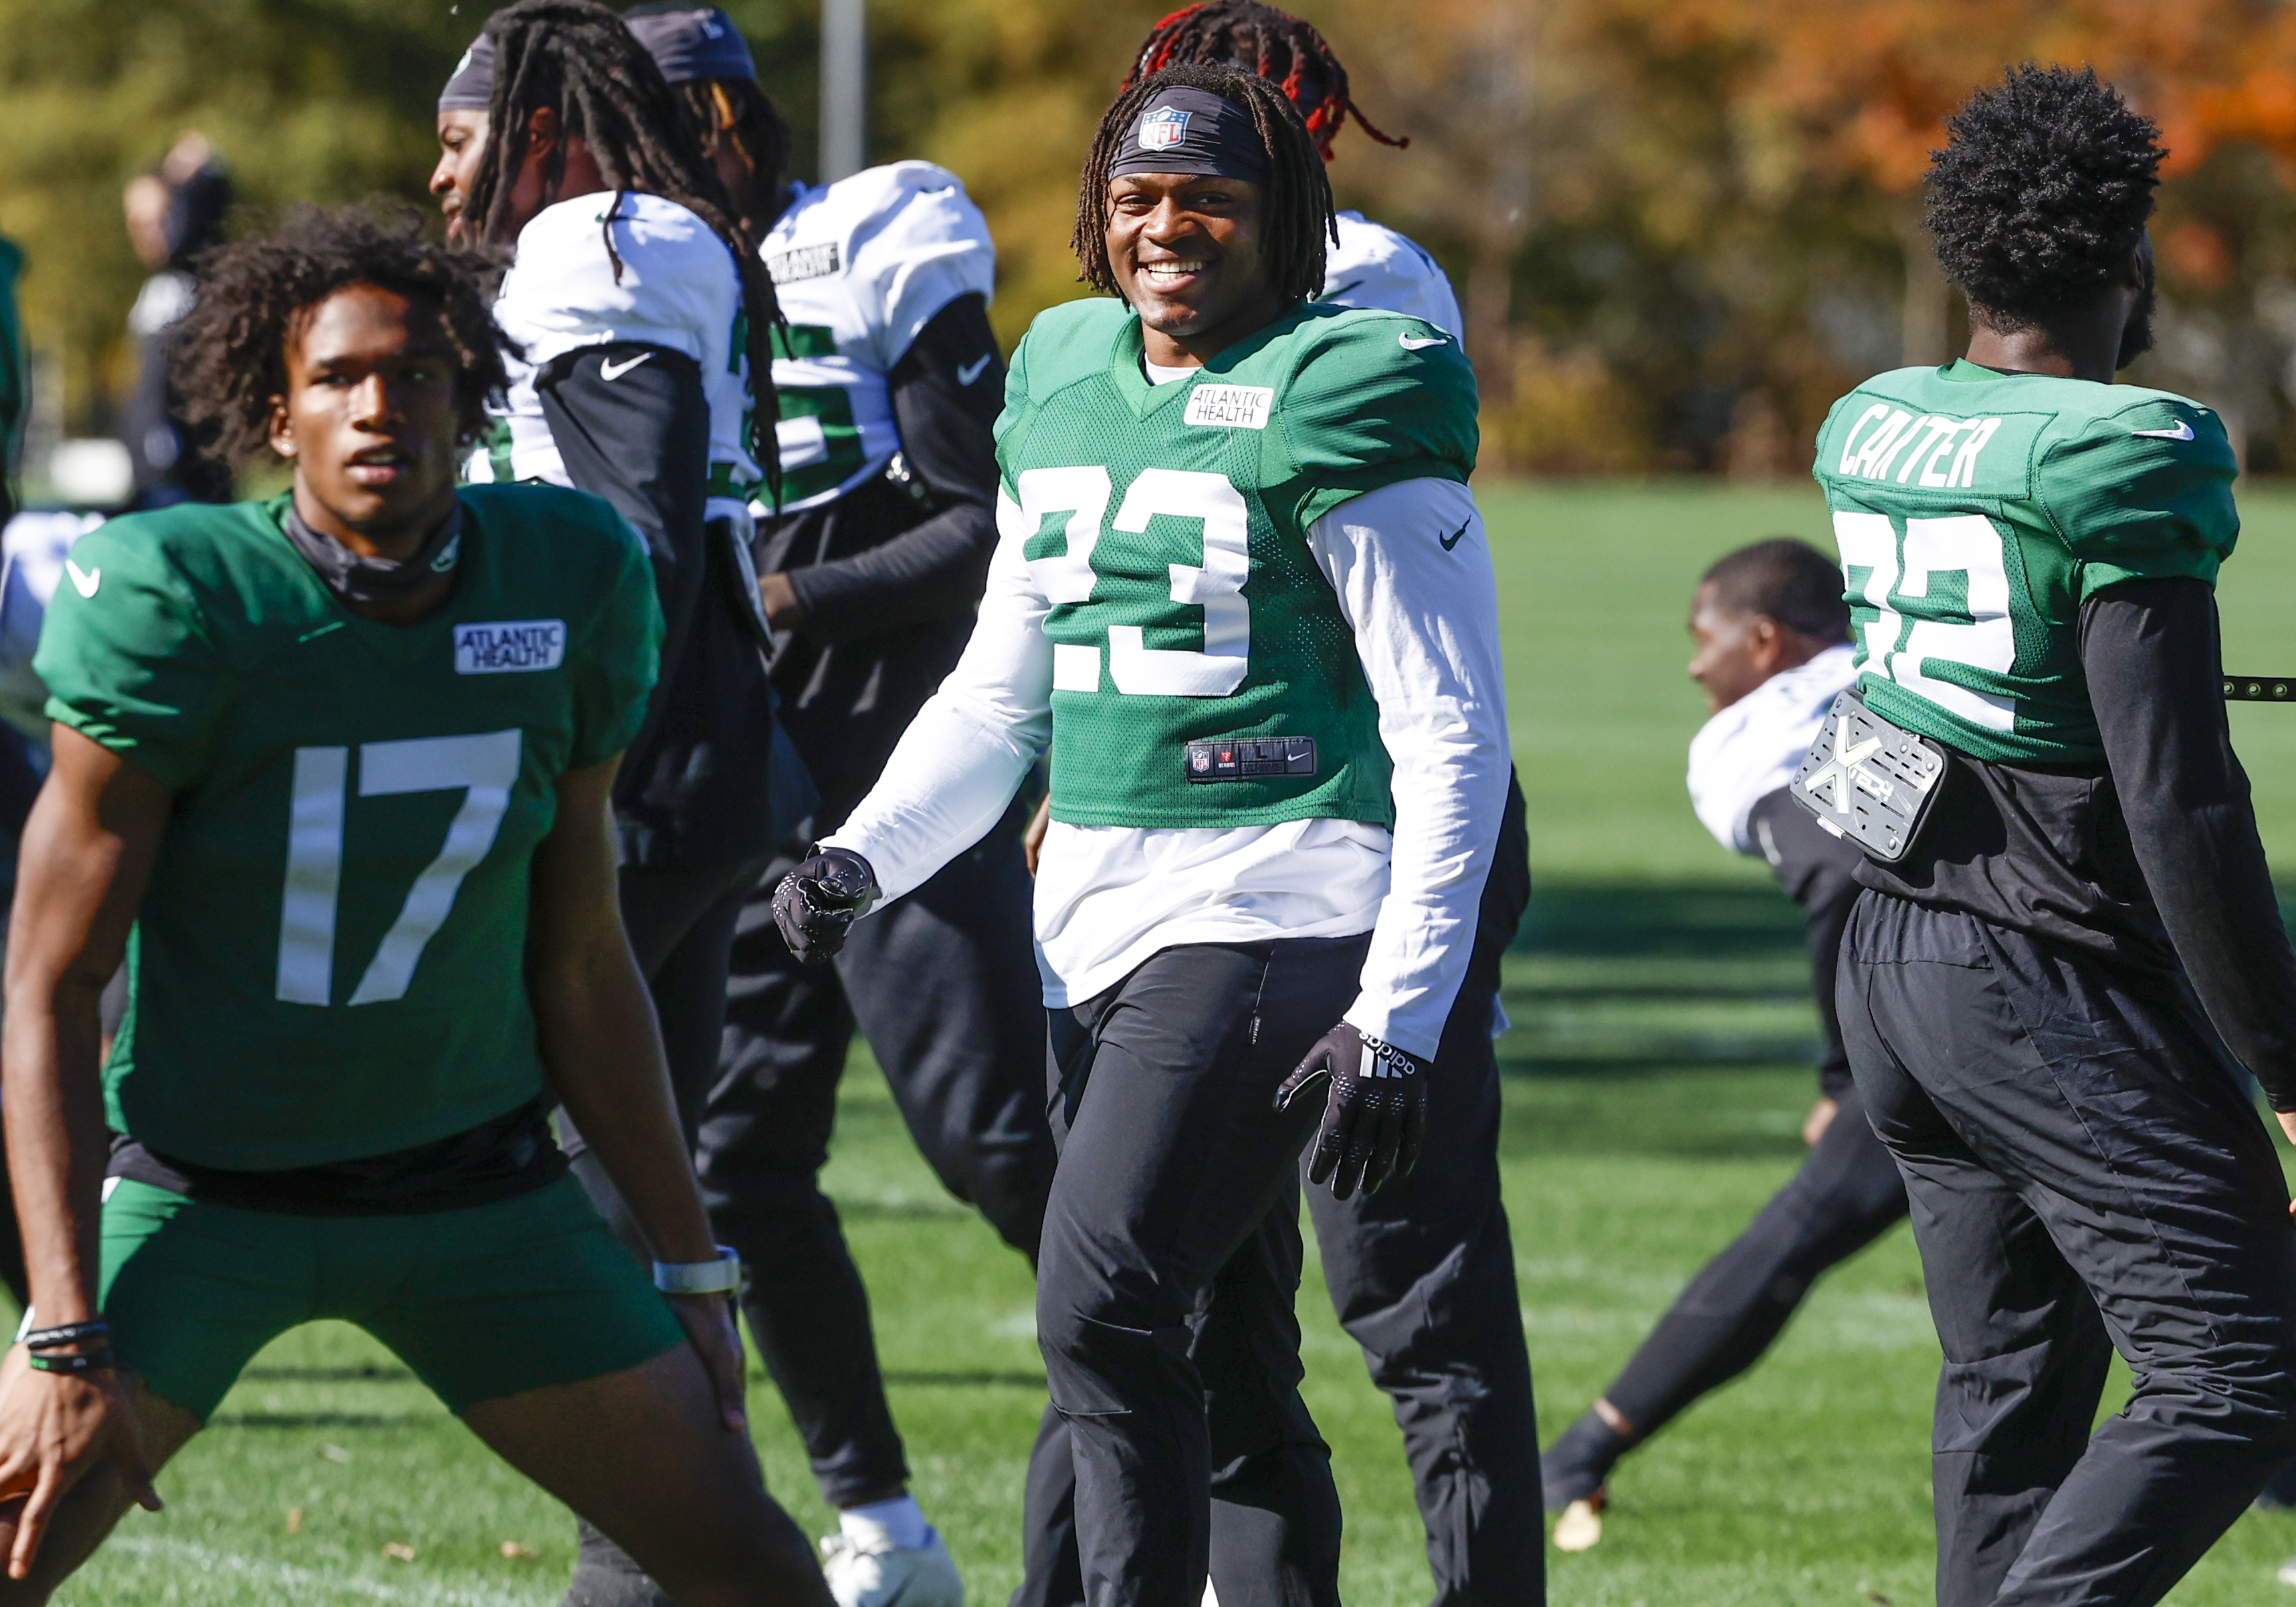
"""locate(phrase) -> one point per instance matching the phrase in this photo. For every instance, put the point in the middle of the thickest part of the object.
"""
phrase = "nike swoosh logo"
(609, 370)
(83, 581)
(1408, 344)
(966, 372)
(1452, 540)
(2182, 432)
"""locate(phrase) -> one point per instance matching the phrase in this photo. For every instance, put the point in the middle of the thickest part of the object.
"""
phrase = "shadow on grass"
(1659, 1020)
(976, 1379)
(304, 1420)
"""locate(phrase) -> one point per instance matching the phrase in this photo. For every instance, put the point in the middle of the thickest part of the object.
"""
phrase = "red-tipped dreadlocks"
(1276, 45)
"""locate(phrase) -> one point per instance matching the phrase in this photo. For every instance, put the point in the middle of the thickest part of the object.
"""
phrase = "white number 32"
(1966, 543)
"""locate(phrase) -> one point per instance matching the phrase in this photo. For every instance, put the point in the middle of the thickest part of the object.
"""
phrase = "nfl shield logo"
(1162, 128)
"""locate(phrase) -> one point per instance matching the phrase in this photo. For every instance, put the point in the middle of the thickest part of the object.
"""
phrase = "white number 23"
(1215, 585)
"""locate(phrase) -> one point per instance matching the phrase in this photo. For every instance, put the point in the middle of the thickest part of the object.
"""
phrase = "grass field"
(1656, 1077)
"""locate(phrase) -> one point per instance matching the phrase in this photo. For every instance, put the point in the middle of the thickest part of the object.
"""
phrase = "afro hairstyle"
(2041, 193)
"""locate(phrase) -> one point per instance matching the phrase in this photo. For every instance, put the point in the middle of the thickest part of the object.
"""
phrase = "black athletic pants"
(1846, 1195)
(680, 922)
(1421, 1275)
(1166, 1283)
(943, 982)
(2087, 1174)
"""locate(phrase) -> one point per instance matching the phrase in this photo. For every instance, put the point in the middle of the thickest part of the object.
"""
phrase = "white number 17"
(483, 768)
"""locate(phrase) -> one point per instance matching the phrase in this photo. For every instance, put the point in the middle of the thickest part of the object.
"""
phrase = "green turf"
(1657, 1075)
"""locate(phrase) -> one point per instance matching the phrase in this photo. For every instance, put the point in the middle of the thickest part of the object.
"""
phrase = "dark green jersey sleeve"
(621, 654)
(2145, 493)
(1378, 398)
(127, 658)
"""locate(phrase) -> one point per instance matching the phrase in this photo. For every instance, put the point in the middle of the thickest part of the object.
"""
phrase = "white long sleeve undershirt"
(1425, 618)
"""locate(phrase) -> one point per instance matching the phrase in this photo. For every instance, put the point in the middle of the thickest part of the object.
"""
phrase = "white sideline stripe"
(303, 1579)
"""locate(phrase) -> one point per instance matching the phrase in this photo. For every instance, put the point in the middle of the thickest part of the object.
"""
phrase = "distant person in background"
(642, 314)
(1420, 1272)
(174, 213)
(15, 383)
(1773, 649)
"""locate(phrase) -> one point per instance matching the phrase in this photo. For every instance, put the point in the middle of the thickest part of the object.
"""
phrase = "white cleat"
(2287, 1574)
(1580, 1526)
(892, 1576)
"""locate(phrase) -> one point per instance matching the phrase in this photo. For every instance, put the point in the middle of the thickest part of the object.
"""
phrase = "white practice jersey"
(34, 548)
(677, 288)
(1373, 265)
(859, 268)
(1753, 747)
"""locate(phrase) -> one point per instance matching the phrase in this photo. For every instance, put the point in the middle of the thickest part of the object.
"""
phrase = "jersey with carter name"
(1976, 512)
(1203, 672)
(664, 280)
(329, 960)
(859, 268)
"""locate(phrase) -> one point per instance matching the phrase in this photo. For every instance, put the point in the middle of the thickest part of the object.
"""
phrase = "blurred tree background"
(1679, 227)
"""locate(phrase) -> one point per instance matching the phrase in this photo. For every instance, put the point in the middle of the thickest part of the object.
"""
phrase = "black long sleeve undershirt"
(947, 392)
(631, 422)
(2151, 652)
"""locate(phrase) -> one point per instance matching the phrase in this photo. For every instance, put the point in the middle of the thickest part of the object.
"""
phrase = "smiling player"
(334, 773)
(1242, 592)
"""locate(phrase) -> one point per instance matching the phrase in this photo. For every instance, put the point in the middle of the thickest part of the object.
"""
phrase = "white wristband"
(720, 1276)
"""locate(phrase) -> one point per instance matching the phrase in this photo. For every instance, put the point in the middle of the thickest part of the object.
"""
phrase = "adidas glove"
(817, 903)
(1375, 1115)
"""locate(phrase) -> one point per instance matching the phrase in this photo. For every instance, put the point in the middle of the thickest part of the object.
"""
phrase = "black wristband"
(68, 1333)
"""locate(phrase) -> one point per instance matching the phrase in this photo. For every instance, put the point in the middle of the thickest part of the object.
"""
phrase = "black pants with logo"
(1166, 1283)
(944, 986)
(2086, 1173)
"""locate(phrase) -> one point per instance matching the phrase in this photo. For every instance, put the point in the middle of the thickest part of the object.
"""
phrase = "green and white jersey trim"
(1978, 512)
(675, 286)
(859, 268)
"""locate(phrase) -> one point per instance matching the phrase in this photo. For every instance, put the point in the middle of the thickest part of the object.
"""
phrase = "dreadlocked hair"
(1276, 46)
(257, 295)
(1297, 211)
(734, 114)
(2041, 193)
(578, 59)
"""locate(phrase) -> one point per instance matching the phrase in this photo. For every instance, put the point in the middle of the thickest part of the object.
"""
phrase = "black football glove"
(817, 903)
(1374, 1116)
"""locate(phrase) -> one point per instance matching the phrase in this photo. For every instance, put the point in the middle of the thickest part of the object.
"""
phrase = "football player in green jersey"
(2038, 991)
(1242, 592)
(334, 773)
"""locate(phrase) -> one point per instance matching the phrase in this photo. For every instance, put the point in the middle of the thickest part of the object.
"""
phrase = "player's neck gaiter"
(356, 579)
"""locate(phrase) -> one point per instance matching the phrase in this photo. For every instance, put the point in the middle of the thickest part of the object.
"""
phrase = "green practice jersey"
(328, 962)
(1194, 639)
(1976, 512)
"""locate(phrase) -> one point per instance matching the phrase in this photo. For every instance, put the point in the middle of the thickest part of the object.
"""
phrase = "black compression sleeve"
(631, 424)
(2150, 649)
(947, 390)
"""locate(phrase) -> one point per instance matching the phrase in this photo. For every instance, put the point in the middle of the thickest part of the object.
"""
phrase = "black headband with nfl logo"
(1183, 130)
